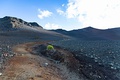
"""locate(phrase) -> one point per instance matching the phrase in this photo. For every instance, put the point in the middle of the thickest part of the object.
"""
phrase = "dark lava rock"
(34, 24)
(99, 60)
(53, 54)
(94, 71)
(40, 49)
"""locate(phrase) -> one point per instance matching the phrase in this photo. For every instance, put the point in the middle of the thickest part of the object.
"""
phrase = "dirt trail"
(26, 66)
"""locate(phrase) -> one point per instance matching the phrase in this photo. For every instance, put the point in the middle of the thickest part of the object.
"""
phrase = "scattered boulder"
(56, 55)
(39, 49)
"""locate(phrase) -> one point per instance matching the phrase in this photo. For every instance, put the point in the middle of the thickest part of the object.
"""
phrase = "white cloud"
(52, 26)
(63, 5)
(44, 13)
(60, 12)
(97, 13)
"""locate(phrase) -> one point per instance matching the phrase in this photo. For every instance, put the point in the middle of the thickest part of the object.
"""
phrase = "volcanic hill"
(90, 33)
(12, 26)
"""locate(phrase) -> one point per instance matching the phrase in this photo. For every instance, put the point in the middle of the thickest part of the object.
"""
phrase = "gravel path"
(26, 66)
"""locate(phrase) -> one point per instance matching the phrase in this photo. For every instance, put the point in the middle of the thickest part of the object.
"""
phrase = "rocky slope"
(12, 26)
(12, 23)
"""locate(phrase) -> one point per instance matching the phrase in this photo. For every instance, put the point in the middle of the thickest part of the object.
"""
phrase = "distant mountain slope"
(12, 23)
(12, 26)
(90, 33)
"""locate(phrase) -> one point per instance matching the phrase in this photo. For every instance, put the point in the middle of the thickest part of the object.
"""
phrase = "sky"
(64, 14)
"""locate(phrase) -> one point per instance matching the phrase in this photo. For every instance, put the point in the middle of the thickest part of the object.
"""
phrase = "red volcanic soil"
(26, 66)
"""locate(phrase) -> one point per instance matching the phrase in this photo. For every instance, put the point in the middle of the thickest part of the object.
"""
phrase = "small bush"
(50, 47)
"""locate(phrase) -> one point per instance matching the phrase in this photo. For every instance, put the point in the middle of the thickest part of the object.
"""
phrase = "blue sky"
(65, 14)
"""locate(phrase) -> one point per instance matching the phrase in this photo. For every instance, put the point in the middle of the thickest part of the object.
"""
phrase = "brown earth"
(26, 66)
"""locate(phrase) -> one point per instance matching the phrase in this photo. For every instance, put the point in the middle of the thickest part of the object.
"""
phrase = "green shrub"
(50, 47)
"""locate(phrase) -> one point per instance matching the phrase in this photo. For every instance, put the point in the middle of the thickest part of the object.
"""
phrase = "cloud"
(44, 13)
(96, 13)
(63, 5)
(52, 26)
(60, 12)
